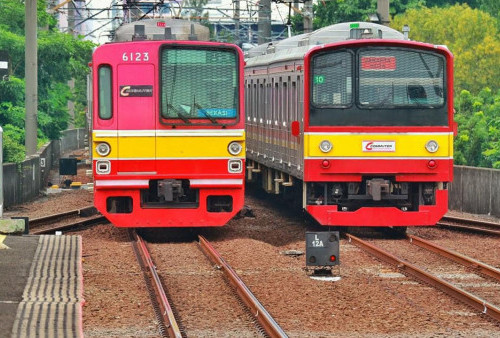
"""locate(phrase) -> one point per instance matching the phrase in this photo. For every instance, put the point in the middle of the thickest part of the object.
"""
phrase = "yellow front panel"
(136, 147)
(405, 145)
(197, 146)
(144, 144)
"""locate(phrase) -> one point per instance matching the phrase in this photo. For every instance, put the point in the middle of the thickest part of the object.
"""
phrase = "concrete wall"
(23, 182)
(475, 191)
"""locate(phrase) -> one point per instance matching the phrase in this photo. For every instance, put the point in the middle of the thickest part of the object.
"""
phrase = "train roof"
(300, 44)
(155, 29)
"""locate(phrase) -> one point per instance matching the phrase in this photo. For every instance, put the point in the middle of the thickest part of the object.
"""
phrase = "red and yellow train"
(356, 121)
(168, 138)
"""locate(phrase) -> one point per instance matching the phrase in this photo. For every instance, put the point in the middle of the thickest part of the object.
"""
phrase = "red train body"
(360, 128)
(168, 135)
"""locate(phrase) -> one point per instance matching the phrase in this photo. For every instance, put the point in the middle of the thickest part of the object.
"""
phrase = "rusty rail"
(408, 268)
(268, 324)
(480, 267)
(71, 226)
(167, 313)
(84, 212)
(489, 228)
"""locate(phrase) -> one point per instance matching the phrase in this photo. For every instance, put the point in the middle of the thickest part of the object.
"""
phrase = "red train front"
(168, 133)
(359, 125)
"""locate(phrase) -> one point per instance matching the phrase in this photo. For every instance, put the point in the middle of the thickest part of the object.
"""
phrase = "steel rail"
(83, 211)
(469, 228)
(469, 220)
(267, 322)
(406, 267)
(166, 310)
(86, 222)
(457, 257)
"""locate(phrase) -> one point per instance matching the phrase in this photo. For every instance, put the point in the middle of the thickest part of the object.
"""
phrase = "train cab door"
(136, 119)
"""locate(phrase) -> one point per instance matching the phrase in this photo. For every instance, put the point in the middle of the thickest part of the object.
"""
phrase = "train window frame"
(353, 80)
(199, 121)
(357, 65)
(363, 116)
(109, 99)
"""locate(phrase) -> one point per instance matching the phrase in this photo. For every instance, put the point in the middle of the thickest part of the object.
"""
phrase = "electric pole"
(308, 16)
(383, 11)
(31, 76)
(264, 24)
(237, 22)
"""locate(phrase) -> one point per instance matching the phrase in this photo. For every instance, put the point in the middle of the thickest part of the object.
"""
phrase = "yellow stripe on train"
(378, 145)
(188, 145)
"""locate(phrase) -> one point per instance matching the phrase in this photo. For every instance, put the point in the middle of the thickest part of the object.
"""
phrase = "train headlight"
(325, 146)
(103, 149)
(432, 146)
(234, 148)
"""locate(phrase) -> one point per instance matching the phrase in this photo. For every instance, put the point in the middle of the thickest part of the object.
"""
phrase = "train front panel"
(168, 138)
(378, 133)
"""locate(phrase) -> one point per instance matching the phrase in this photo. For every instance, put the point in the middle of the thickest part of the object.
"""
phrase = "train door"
(136, 118)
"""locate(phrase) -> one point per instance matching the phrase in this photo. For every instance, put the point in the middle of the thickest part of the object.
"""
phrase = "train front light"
(103, 149)
(234, 148)
(432, 146)
(325, 146)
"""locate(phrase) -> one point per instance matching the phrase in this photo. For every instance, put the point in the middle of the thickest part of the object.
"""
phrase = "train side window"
(105, 99)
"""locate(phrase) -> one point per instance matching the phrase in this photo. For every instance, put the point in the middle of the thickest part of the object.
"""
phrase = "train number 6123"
(135, 56)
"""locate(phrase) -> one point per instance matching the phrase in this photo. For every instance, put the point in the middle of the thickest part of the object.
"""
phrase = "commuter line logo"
(379, 146)
(131, 91)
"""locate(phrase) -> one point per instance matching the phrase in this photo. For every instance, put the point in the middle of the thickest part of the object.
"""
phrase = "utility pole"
(237, 21)
(264, 23)
(383, 12)
(71, 83)
(31, 76)
(308, 16)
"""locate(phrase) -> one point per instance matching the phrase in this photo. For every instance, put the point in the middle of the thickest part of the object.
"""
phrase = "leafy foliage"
(478, 139)
(61, 57)
(12, 91)
(470, 34)
(329, 12)
(13, 144)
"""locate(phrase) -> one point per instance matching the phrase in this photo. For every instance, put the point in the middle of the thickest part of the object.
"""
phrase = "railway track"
(64, 221)
(438, 279)
(170, 316)
(471, 225)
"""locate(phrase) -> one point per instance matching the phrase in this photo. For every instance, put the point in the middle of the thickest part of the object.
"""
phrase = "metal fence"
(475, 190)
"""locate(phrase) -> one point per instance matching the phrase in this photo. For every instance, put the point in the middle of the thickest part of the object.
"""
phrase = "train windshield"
(378, 86)
(199, 83)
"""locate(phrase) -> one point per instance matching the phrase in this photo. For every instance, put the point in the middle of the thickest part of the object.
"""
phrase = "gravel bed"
(370, 299)
(199, 293)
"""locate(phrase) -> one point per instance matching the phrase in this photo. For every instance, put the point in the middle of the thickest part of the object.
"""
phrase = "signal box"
(68, 166)
(322, 248)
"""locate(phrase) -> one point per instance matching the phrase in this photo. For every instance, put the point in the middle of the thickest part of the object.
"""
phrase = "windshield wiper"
(210, 117)
(179, 114)
(437, 89)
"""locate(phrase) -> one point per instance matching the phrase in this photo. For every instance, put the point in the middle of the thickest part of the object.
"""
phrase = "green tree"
(330, 12)
(12, 91)
(13, 144)
(470, 34)
(478, 139)
(61, 57)
(445, 3)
